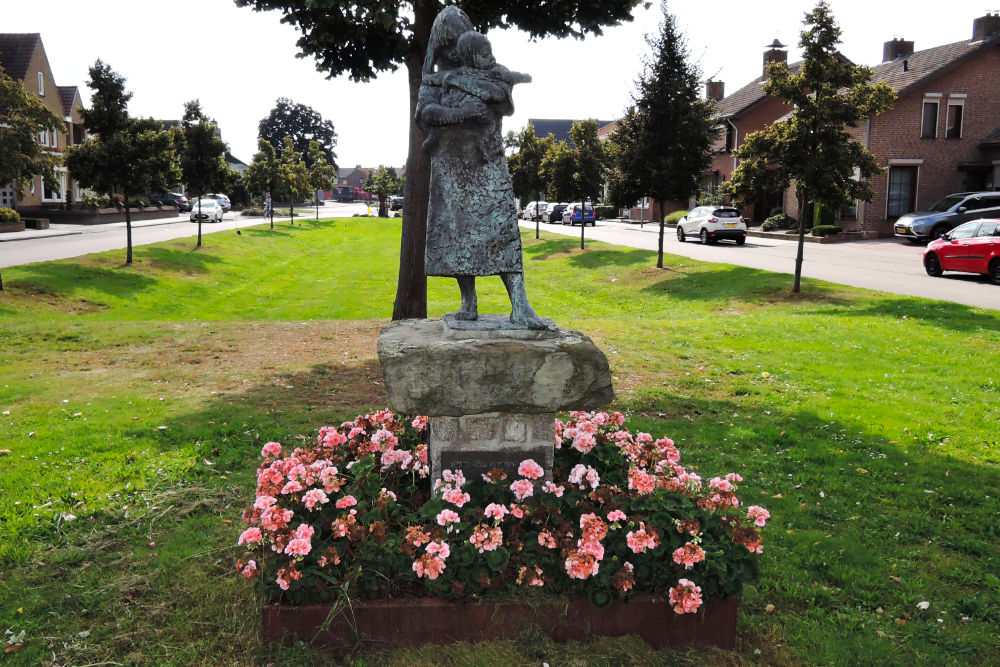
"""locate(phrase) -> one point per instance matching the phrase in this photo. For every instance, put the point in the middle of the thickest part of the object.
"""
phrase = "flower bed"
(353, 517)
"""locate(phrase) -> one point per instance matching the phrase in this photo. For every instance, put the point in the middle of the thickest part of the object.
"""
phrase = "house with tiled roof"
(559, 128)
(23, 58)
(942, 135)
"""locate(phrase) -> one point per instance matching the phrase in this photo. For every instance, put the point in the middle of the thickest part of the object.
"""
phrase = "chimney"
(986, 26)
(774, 54)
(715, 90)
(897, 48)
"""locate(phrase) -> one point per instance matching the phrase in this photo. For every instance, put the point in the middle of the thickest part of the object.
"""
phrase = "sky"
(237, 62)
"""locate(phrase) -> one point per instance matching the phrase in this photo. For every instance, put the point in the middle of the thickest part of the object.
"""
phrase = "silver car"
(947, 214)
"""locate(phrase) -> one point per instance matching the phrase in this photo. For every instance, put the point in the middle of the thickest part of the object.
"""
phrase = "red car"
(973, 248)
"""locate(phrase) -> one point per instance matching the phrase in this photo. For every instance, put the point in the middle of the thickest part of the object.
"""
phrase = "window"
(928, 125)
(902, 191)
(954, 128)
(989, 229)
(966, 231)
(41, 84)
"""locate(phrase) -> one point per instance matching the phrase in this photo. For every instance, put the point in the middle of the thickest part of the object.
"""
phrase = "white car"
(222, 199)
(711, 224)
(534, 210)
(206, 210)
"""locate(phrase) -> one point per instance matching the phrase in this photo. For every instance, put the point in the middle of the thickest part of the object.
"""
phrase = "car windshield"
(726, 213)
(947, 203)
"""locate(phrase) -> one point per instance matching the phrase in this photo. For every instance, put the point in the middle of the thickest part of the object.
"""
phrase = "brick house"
(942, 135)
(350, 181)
(23, 58)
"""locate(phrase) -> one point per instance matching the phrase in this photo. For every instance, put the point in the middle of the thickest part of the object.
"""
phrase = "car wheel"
(680, 234)
(704, 236)
(994, 271)
(938, 232)
(741, 240)
(932, 265)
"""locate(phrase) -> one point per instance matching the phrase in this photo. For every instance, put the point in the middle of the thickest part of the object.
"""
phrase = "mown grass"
(136, 399)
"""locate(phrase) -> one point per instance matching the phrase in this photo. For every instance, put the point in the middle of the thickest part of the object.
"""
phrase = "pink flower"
(581, 565)
(486, 538)
(496, 512)
(456, 497)
(456, 478)
(271, 449)
(274, 518)
(331, 437)
(593, 548)
(282, 582)
(720, 484)
(419, 423)
(617, 515)
(298, 547)
(685, 596)
(643, 437)
(546, 540)
(688, 555)
(346, 501)
(251, 536)
(758, 515)
(522, 488)
(530, 469)
(517, 511)
(250, 569)
(384, 439)
(640, 540)
(385, 493)
(641, 481)
(292, 487)
(438, 548)
(584, 442)
(314, 497)
(304, 531)
(263, 502)
(447, 517)
(357, 430)
(581, 472)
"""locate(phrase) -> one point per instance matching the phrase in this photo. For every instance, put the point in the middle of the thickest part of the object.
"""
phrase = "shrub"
(605, 212)
(777, 210)
(252, 210)
(825, 230)
(823, 215)
(354, 514)
(673, 218)
(779, 221)
(709, 198)
(9, 215)
(93, 200)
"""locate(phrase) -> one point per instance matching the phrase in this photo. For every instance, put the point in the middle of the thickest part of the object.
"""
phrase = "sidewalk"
(73, 230)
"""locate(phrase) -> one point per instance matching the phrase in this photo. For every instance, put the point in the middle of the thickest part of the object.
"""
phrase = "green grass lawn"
(136, 399)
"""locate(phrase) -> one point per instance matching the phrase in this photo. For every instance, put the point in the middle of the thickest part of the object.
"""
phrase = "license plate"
(729, 225)
(901, 230)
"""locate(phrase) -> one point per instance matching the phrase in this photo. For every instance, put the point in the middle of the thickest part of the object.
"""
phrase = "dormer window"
(41, 84)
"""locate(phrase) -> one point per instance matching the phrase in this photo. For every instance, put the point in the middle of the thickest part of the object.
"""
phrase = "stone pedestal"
(491, 393)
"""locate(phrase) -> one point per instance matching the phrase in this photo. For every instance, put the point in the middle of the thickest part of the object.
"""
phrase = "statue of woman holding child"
(472, 216)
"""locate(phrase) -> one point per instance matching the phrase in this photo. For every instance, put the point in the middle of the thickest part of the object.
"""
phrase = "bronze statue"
(472, 217)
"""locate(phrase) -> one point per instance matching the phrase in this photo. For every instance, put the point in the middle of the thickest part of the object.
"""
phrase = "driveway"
(884, 265)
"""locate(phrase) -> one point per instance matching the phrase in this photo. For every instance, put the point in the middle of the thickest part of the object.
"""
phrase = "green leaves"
(497, 560)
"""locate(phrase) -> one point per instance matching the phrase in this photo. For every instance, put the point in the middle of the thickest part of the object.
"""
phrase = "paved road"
(886, 265)
(65, 241)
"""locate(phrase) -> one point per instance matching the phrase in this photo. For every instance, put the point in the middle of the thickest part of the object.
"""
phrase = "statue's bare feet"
(468, 315)
(470, 302)
(526, 316)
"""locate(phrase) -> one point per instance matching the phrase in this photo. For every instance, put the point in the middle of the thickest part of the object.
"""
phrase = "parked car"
(950, 212)
(973, 248)
(170, 199)
(711, 224)
(532, 210)
(554, 212)
(395, 203)
(206, 210)
(571, 214)
(222, 199)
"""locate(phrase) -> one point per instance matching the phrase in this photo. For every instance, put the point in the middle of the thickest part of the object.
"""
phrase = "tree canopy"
(22, 117)
(525, 166)
(558, 168)
(303, 124)
(128, 155)
(365, 37)
(813, 146)
(383, 182)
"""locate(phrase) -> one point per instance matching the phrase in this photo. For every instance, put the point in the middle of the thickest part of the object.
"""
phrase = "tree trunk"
(128, 231)
(382, 212)
(539, 221)
(291, 210)
(411, 287)
(317, 205)
(659, 242)
(583, 219)
(199, 222)
(802, 240)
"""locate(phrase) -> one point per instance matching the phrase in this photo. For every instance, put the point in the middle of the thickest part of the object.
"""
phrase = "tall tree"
(383, 182)
(525, 166)
(322, 174)
(558, 167)
(624, 187)
(294, 175)
(589, 167)
(203, 154)
(813, 147)
(303, 124)
(127, 155)
(365, 37)
(676, 128)
(264, 172)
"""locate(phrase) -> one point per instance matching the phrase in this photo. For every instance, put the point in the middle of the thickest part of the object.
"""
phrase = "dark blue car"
(571, 216)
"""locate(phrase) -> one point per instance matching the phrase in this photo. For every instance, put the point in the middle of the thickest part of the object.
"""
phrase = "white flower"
(923, 605)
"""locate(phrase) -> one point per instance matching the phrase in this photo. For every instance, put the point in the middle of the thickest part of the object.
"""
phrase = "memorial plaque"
(475, 463)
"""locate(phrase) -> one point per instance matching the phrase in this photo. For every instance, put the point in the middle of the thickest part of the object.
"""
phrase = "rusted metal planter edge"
(414, 621)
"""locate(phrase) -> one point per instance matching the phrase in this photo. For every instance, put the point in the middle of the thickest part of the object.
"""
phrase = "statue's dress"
(471, 214)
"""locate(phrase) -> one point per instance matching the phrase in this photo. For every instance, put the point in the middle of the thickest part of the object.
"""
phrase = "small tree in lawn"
(525, 166)
(264, 172)
(322, 174)
(203, 155)
(294, 175)
(558, 167)
(588, 174)
(127, 155)
(22, 117)
(675, 127)
(813, 147)
(383, 182)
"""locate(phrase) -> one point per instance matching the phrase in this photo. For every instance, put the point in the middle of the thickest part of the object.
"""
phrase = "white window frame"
(957, 100)
(904, 162)
(61, 192)
(935, 99)
(41, 84)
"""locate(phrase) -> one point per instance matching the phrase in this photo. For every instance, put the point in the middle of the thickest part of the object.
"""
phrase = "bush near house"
(674, 217)
(9, 215)
(779, 221)
(606, 212)
(825, 230)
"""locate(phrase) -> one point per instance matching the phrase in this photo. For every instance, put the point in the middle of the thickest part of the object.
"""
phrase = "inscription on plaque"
(474, 464)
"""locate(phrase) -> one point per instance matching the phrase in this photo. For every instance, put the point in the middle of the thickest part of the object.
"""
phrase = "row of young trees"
(290, 174)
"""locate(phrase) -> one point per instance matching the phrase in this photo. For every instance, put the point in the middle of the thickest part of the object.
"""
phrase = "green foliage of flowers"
(9, 215)
(355, 514)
